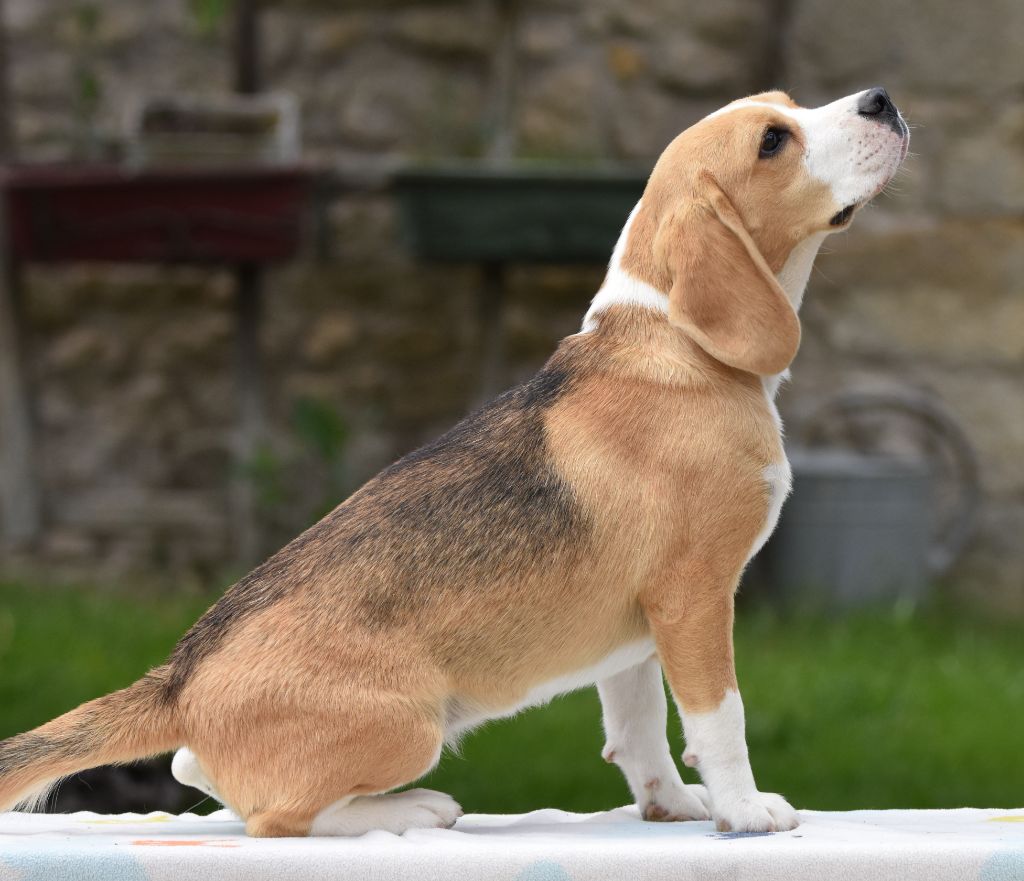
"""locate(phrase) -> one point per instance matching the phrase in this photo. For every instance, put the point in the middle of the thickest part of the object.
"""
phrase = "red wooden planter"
(105, 213)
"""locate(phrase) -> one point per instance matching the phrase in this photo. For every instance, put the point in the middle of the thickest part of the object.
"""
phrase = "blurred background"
(252, 252)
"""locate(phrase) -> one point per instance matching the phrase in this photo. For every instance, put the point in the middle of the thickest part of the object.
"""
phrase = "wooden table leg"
(20, 502)
(251, 421)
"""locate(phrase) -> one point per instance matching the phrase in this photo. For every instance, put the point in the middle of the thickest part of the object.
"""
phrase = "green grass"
(877, 710)
(61, 646)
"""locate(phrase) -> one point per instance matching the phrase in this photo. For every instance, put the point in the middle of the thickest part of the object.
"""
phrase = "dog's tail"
(129, 724)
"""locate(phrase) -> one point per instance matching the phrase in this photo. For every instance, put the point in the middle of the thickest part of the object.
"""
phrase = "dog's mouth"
(840, 218)
(843, 217)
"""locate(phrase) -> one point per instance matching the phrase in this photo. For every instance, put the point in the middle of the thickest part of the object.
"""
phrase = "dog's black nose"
(877, 104)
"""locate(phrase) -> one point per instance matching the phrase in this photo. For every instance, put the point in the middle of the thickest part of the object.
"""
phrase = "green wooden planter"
(517, 213)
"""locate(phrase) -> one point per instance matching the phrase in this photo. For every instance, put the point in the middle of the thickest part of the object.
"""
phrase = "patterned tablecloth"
(548, 845)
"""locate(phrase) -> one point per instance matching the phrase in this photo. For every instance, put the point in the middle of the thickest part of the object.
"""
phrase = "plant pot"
(518, 213)
(107, 213)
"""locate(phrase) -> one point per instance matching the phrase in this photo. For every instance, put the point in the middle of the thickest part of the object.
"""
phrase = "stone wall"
(133, 366)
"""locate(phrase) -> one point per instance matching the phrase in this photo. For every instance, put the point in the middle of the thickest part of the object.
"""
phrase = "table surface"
(547, 845)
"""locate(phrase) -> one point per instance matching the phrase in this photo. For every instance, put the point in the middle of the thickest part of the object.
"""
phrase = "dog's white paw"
(395, 812)
(443, 806)
(760, 812)
(666, 803)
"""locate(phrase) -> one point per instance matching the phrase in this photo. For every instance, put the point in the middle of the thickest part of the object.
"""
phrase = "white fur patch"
(186, 770)
(620, 288)
(635, 714)
(779, 478)
(796, 272)
(396, 812)
(716, 745)
(793, 278)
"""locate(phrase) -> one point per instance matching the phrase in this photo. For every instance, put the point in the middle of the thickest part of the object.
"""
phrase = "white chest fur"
(779, 476)
(779, 479)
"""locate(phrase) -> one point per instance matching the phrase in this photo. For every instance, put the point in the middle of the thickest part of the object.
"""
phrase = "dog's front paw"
(760, 812)
(675, 801)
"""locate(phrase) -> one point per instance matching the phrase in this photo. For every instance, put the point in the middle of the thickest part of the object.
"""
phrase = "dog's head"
(735, 195)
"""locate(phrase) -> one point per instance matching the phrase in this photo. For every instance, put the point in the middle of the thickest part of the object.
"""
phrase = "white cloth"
(548, 845)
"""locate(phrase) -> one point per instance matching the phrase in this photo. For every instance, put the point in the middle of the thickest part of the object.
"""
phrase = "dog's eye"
(772, 142)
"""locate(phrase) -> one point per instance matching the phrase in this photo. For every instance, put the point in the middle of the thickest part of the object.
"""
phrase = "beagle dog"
(589, 526)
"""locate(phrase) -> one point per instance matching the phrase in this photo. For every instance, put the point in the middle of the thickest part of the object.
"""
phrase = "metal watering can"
(885, 494)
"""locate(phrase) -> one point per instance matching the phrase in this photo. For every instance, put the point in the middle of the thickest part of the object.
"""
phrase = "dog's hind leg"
(323, 772)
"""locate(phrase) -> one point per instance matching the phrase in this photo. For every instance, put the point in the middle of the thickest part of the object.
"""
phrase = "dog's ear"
(723, 293)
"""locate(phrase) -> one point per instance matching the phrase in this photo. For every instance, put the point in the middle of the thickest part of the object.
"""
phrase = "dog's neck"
(622, 289)
(793, 279)
(797, 269)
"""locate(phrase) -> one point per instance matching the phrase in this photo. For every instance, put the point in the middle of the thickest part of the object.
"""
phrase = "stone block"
(455, 29)
(646, 119)
(85, 348)
(547, 36)
(885, 251)
(561, 112)
(938, 48)
(329, 337)
(980, 168)
(69, 545)
(379, 98)
(130, 509)
(924, 321)
(988, 406)
(697, 68)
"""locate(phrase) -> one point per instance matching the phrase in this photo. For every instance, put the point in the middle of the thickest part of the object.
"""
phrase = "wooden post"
(493, 274)
(491, 313)
(251, 425)
(247, 48)
(503, 83)
(20, 505)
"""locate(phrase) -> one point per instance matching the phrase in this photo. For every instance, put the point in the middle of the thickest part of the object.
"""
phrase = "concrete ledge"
(548, 845)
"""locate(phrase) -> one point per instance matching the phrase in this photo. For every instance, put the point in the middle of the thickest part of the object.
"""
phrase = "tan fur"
(651, 457)
(615, 497)
(119, 727)
(753, 326)
(777, 205)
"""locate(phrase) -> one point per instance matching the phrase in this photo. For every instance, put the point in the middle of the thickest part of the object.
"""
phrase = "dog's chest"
(778, 476)
(779, 480)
